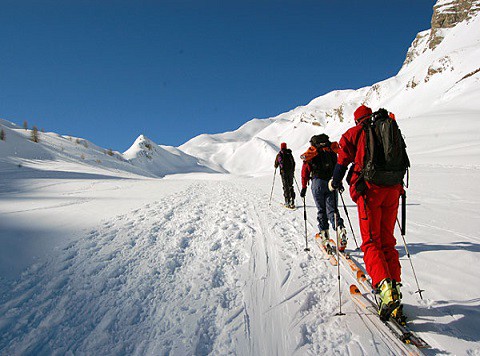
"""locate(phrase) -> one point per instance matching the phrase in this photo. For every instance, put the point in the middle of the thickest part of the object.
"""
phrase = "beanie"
(361, 112)
(283, 146)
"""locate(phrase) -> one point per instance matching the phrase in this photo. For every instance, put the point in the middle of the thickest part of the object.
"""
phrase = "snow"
(176, 250)
(162, 160)
(200, 263)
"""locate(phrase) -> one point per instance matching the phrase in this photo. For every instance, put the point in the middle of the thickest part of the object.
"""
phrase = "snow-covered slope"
(66, 153)
(437, 90)
(161, 160)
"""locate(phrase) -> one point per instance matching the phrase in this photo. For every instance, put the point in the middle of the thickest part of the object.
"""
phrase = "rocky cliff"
(446, 14)
(449, 13)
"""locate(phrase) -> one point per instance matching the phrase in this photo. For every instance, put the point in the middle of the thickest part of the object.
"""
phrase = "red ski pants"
(377, 212)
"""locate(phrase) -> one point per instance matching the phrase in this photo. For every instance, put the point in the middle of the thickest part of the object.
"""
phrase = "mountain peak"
(142, 146)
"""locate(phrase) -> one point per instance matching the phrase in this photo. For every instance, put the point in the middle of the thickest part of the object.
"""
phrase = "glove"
(303, 192)
(333, 185)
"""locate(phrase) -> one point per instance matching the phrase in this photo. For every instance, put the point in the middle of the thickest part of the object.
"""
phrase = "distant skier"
(318, 164)
(376, 140)
(285, 161)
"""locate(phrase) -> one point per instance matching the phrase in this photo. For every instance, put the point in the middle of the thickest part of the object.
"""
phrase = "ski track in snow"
(208, 271)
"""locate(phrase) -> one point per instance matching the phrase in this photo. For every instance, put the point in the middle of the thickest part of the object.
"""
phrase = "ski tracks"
(291, 293)
(210, 270)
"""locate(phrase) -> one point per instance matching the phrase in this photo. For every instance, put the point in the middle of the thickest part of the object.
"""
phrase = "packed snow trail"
(191, 265)
(211, 269)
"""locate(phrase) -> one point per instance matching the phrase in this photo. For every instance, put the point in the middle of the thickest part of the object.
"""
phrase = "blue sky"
(111, 70)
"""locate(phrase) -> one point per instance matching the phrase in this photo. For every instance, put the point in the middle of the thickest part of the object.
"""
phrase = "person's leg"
(331, 201)
(389, 218)
(319, 198)
(291, 188)
(370, 215)
(286, 190)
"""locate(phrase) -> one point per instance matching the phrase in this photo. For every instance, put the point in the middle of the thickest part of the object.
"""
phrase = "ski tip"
(354, 289)
(361, 276)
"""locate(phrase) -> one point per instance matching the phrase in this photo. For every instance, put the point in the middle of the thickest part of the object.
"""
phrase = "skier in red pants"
(377, 210)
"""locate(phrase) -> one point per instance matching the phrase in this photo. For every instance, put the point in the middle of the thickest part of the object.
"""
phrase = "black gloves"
(303, 192)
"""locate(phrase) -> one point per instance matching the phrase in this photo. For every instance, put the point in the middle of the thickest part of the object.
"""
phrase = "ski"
(354, 267)
(345, 256)
(328, 254)
(402, 332)
(363, 281)
(400, 328)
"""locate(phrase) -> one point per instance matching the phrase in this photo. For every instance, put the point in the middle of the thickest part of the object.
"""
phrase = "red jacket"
(352, 150)
(305, 174)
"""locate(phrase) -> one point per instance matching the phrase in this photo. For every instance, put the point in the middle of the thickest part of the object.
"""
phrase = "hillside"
(73, 154)
(435, 93)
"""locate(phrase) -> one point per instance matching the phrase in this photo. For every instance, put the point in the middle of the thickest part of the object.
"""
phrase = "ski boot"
(292, 204)
(389, 298)
(343, 238)
(325, 236)
(397, 313)
(397, 286)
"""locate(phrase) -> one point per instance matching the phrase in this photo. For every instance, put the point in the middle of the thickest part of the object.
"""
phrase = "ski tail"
(401, 332)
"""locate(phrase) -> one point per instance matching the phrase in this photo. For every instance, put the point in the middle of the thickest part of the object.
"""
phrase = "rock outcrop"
(449, 13)
(446, 14)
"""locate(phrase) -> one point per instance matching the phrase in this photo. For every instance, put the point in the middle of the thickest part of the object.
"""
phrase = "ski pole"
(348, 217)
(403, 233)
(273, 184)
(298, 187)
(305, 218)
(335, 200)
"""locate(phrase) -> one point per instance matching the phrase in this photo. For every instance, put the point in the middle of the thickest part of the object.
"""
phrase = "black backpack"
(288, 163)
(323, 163)
(386, 160)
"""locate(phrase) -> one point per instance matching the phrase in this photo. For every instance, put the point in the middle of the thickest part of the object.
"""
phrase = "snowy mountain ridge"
(438, 82)
(143, 158)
